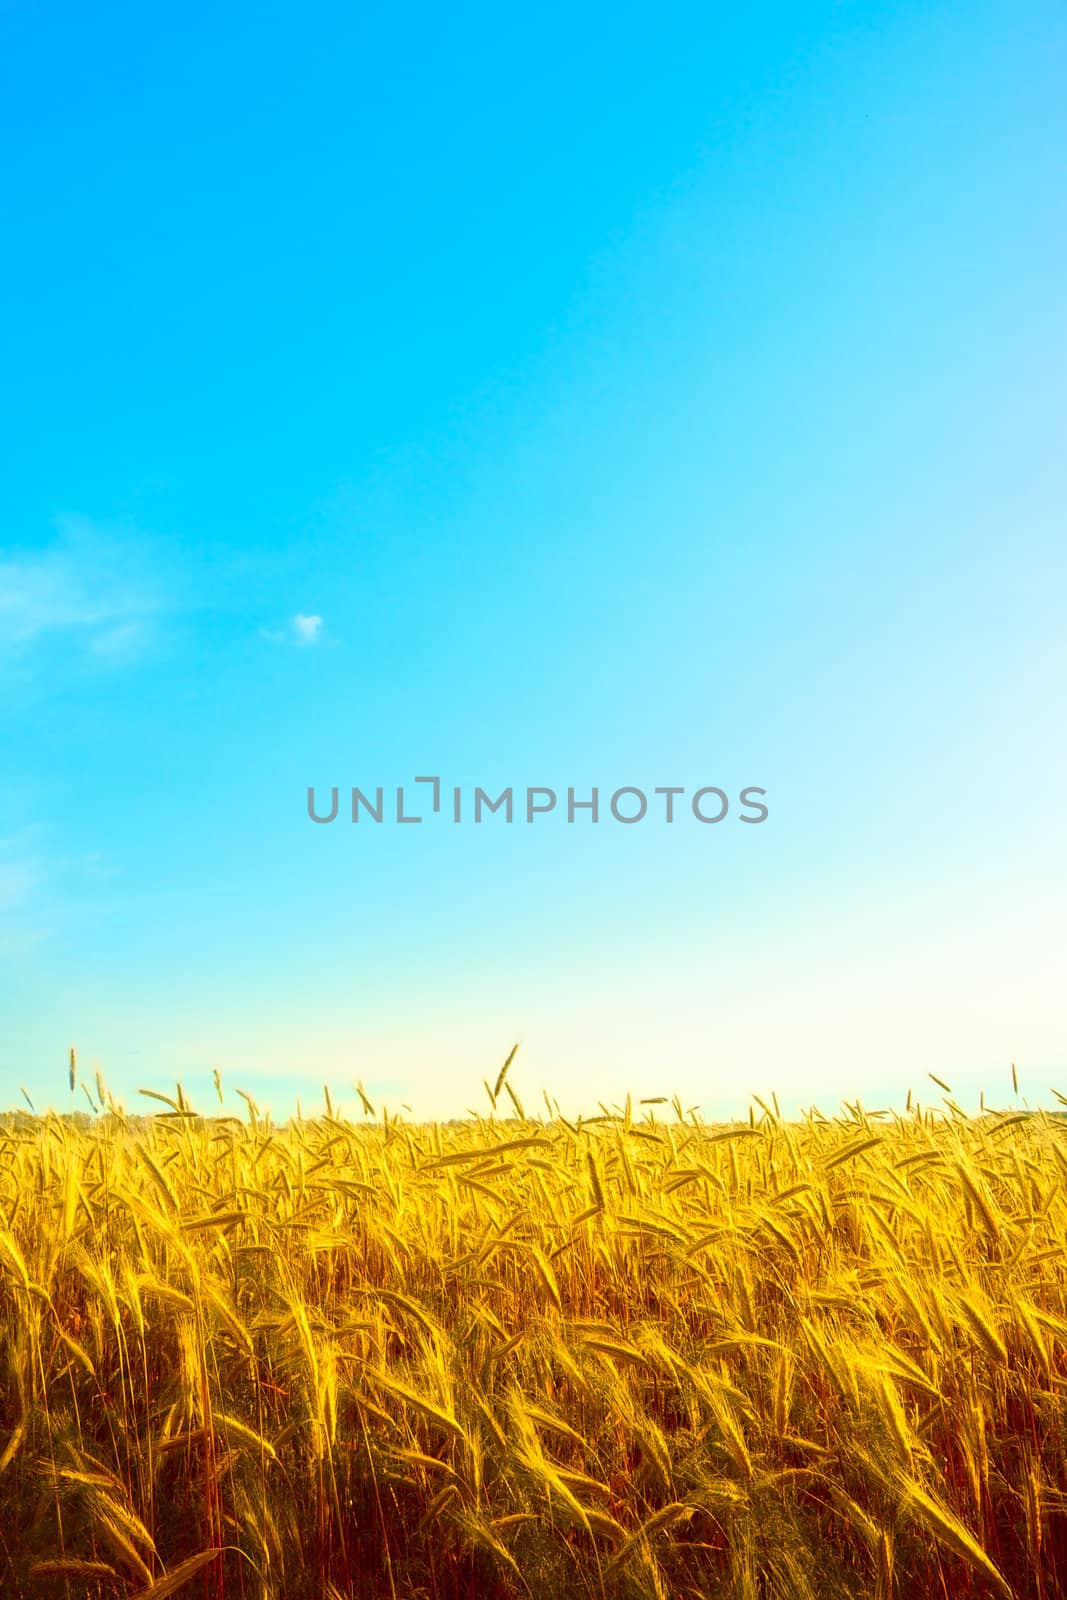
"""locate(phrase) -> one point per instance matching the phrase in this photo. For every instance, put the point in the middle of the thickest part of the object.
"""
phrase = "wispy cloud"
(89, 590)
(16, 880)
(41, 889)
(121, 642)
(303, 629)
(20, 877)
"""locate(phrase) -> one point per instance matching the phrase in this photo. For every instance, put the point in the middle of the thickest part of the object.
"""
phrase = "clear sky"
(567, 397)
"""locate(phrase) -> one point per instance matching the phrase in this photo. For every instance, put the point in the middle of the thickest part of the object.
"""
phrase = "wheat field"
(636, 1355)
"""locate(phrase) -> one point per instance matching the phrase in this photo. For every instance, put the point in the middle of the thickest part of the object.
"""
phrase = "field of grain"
(641, 1355)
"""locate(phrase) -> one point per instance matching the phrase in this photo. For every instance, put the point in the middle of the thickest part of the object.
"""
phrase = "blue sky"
(612, 398)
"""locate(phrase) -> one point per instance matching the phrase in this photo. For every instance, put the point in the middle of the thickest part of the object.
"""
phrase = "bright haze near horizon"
(613, 397)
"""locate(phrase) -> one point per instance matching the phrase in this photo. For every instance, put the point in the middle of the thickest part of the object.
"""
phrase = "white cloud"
(303, 630)
(307, 628)
(88, 591)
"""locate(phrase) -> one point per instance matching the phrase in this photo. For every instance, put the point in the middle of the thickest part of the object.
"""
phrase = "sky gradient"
(623, 398)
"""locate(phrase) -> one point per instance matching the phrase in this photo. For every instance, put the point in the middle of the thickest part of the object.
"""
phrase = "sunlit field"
(637, 1355)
